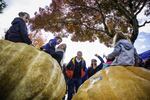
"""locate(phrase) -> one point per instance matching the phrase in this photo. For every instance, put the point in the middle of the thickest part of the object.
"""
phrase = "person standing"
(94, 67)
(18, 31)
(59, 56)
(75, 71)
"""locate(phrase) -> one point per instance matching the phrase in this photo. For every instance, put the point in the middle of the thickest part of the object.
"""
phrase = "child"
(124, 52)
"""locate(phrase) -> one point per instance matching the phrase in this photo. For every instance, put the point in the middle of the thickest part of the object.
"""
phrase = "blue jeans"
(73, 85)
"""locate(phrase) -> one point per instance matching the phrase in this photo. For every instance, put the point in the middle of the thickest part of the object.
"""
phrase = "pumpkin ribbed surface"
(116, 83)
(29, 74)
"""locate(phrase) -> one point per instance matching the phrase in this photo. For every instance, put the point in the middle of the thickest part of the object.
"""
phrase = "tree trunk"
(135, 29)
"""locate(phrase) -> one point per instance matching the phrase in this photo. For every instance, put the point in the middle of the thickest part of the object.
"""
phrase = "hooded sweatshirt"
(124, 53)
(18, 32)
(50, 46)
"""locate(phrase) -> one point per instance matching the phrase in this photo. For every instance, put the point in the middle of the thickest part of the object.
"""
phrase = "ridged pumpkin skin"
(116, 83)
(29, 74)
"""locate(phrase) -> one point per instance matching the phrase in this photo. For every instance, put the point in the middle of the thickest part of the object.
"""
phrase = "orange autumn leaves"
(37, 39)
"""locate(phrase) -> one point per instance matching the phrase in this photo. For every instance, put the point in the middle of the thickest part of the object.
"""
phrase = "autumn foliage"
(90, 19)
(37, 40)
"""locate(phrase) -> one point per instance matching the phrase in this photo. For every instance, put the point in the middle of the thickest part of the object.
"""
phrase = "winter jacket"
(124, 53)
(18, 32)
(58, 55)
(76, 69)
(50, 46)
(91, 71)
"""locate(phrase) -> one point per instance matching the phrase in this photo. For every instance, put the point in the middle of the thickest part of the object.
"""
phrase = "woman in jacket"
(59, 53)
(94, 67)
(18, 31)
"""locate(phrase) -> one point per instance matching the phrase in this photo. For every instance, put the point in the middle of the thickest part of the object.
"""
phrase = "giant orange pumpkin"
(116, 83)
(29, 74)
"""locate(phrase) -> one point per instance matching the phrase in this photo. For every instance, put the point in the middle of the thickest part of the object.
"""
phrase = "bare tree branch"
(137, 6)
(123, 9)
(141, 7)
(104, 20)
(146, 22)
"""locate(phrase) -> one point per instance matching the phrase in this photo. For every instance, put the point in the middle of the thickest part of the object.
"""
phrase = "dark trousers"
(73, 85)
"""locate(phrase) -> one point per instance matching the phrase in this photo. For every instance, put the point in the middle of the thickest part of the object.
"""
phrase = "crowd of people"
(76, 71)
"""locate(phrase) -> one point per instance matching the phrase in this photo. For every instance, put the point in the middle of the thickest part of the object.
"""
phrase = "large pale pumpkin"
(116, 83)
(28, 74)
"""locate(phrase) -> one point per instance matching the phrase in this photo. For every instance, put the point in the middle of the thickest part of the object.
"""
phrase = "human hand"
(96, 55)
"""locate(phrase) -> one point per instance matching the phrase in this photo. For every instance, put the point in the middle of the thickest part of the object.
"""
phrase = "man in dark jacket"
(77, 65)
(18, 31)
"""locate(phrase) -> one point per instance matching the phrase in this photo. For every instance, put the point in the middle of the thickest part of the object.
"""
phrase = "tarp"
(145, 55)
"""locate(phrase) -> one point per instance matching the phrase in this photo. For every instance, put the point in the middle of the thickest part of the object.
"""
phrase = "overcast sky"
(88, 49)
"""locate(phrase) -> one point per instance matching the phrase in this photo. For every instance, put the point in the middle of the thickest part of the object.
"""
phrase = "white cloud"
(143, 47)
(141, 40)
(142, 18)
(15, 6)
(145, 29)
(88, 49)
